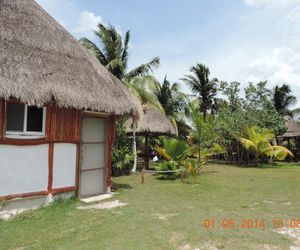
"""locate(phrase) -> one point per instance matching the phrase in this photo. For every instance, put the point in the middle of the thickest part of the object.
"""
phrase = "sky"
(239, 40)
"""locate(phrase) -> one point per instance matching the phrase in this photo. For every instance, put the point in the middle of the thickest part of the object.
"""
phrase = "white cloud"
(87, 23)
(279, 67)
(271, 3)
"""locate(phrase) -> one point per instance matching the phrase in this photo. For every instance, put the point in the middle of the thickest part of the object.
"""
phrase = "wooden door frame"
(106, 136)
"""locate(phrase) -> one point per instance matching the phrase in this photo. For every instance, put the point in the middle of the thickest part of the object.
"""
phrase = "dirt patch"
(293, 233)
(104, 205)
(268, 202)
(270, 247)
(204, 246)
(185, 247)
(163, 216)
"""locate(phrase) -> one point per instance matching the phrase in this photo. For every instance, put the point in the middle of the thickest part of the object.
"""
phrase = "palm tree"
(259, 140)
(173, 102)
(202, 86)
(138, 85)
(203, 134)
(282, 99)
(113, 53)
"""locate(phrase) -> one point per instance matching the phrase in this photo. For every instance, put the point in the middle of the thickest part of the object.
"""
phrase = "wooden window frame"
(26, 134)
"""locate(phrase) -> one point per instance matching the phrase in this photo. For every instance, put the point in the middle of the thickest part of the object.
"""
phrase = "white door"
(92, 172)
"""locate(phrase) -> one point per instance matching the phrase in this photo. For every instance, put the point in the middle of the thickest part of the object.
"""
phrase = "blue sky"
(242, 40)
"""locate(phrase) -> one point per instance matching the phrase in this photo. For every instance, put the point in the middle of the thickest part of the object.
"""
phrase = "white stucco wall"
(64, 165)
(23, 169)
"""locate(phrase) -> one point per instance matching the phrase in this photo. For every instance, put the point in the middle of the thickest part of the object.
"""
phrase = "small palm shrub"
(168, 166)
(193, 169)
(258, 140)
(174, 152)
(173, 149)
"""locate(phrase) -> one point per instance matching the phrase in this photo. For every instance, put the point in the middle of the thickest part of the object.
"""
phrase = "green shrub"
(122, 158)
(121, 161)
(168, 166)
(193, 169)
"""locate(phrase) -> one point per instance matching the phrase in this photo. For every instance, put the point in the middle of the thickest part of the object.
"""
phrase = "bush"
(122, 158)
(121, 161)
(168, 166)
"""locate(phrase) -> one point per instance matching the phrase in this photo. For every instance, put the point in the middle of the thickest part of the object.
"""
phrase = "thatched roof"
(40, 61)
(293, 128)
(151, 121)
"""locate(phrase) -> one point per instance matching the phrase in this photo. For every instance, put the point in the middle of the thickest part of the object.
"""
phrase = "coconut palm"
(258, 140)
(173, 102)
(113, 53)
(203, 134)
(202, 86)
(283, 99)
(173, 149)
(138, 85)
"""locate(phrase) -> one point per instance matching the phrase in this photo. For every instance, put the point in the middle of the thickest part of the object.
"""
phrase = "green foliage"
(175, 152)
(277, 152)
(169, 165)
(259, 142)
(256, 109)
(113, 53)
(193, 169)
(202, 86)
(173, 149)
(173, 102)
(217, 149)
(122, 158)
(139, 85)
(122, 161)
(282, 99)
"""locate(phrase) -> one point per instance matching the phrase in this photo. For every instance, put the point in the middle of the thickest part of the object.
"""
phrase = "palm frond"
(92, 48)
(248, 144)
(278, 152)
(162, 152)
(125, 49)
(144, 69)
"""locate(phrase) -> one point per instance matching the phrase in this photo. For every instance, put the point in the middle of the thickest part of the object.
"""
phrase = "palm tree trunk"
(134, 148)
(146, 156)
(199, 157)
(204, 115)
(237, 153)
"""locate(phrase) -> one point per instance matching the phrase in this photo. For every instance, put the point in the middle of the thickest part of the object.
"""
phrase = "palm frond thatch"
(40, 61)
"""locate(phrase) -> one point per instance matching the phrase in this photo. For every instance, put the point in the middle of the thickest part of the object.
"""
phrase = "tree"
(203, 134)
(232, 92)
(202, 86)
(283, 99)
(173, 102)
(113, 53)
(138, 85)
(256, 109)
(259, 141)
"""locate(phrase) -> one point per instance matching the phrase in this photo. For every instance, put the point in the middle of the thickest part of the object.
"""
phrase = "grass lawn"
(164, 214)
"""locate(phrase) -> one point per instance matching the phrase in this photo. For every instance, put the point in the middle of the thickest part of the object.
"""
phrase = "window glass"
(34, 119)
(15, 117)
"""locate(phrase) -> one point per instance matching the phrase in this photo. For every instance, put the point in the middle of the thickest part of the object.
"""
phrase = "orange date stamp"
(259, 223)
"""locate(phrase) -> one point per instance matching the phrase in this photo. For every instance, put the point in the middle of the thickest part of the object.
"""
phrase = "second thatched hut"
(151, 122)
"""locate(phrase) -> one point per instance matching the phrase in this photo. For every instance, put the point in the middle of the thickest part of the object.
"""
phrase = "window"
(23, 120)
